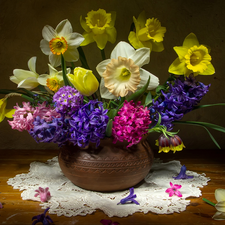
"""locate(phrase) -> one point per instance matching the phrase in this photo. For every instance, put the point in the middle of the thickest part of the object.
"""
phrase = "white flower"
(122, 73)
(54, 80)
(24, 78)
(61, 40)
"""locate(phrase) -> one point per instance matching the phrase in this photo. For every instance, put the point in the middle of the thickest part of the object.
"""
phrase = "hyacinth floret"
(181, 97)
(24, 117)
(67, 100)
(131, 123)
(56, 131)
(88, 124)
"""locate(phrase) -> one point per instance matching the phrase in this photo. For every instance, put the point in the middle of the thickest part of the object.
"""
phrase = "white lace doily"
(70, 200)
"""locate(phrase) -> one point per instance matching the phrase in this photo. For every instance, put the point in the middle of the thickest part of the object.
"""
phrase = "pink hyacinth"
(131, 123)
(174, 190)
(43, 193)
(24, 117)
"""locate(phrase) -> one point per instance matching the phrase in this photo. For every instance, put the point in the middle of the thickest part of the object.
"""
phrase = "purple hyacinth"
(67, 100)
(181, 97)
(56, 131)
(130, 198)
(88, 124)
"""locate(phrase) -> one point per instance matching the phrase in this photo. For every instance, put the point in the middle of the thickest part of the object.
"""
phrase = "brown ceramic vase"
(110, 167)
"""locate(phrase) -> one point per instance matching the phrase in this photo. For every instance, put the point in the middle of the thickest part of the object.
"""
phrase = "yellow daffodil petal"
(177, 67)
(84, 25)
(181, 51)
(190, 41)
(156, 46)
(101, 40)
(88, 38)
(220, 194)
(209, 71)
(134, 40)
(111, 32)
(141, 19)
(9, 113)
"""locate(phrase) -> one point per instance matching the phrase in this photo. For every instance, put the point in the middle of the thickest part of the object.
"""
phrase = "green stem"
(209, 202)
(103, 54)
(83, 58)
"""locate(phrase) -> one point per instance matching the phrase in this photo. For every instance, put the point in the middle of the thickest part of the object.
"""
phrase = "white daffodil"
(122, 73)
(220, 206)
(52, 81)
(61, 40)
(24, 78)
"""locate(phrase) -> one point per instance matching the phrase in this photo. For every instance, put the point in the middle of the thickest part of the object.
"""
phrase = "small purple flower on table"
(182, 174)
(174, 190)
(45, 220)
(130, 198)
(43, 193)
(109, 222)
(1, 205)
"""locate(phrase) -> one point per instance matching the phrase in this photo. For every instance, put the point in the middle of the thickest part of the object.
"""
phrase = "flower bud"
(84, 81)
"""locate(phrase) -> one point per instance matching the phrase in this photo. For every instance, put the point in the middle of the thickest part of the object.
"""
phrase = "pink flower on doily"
(174, 190)
(43, 193)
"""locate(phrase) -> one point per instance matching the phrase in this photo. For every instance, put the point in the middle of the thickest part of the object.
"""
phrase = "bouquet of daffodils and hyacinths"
(124, 102)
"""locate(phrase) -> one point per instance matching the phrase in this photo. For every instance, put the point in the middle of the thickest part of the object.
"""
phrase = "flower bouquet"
(121, 100)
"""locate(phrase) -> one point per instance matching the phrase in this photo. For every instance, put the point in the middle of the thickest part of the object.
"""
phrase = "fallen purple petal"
(45, 220)
(1, 205)
(130, 198)
(182, 174)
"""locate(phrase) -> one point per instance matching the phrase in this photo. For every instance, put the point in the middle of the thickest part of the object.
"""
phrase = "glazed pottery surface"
(110, 167)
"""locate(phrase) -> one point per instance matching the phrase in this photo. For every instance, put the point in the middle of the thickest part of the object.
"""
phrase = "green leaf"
(135, 96)
(112, 113)
(159, 88)
(204, 124)
(65, 78)
(83, 58)
(108, 131)
(148, 99)
(203, 106)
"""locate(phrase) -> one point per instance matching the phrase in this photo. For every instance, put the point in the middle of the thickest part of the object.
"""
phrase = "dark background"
(21, 24)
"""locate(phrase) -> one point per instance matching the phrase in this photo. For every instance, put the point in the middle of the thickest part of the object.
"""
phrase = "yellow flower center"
(125, 73)
(197, 59)
(152, 30)
(121, 76)
(98, 20)
(58, 45)
(53, 84)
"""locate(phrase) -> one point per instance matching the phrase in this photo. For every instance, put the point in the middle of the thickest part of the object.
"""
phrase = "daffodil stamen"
(58, 45)
(53, 84)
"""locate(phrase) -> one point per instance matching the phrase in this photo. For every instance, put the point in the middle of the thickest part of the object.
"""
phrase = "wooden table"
(18, 211)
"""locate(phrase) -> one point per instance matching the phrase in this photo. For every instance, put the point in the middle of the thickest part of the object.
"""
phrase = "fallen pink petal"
(173, 190)
(44, 194)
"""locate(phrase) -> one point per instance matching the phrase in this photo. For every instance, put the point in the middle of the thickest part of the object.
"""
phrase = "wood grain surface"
(17, 211)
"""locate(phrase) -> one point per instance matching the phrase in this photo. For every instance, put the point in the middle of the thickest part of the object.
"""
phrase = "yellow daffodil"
(5, 112)
(99, 28)
(84, 81)
(24, 78)
(54, 80)
(59, 41)
(122, 73)
(220, 206)
(192, 58)
(149, 33)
